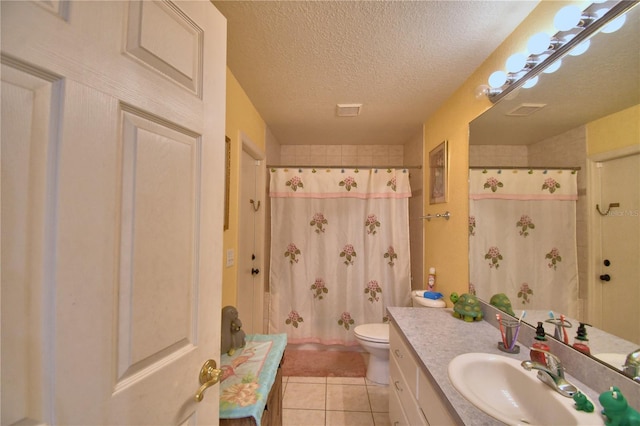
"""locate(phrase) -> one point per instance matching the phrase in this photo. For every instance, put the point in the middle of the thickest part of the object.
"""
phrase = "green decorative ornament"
(467, 307)
(617, 410)
(502, 302)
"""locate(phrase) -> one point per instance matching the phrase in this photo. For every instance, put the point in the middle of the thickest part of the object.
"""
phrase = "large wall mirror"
(604, 80)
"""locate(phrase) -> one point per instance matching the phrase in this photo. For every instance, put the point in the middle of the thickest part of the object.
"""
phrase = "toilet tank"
(417, 301)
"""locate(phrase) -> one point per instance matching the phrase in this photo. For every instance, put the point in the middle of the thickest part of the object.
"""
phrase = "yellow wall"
(446, 242)
(241, 117)
(615, 131)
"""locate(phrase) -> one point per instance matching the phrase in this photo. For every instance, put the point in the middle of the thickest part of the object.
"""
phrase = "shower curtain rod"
(524, 168)
(340, 167)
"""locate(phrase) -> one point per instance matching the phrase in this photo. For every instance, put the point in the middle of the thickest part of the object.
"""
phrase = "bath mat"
(301, 363)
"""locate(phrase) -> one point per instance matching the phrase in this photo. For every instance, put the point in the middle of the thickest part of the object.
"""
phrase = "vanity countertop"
(436, 337)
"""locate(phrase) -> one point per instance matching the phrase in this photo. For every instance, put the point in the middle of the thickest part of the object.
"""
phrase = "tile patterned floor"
(334, 401)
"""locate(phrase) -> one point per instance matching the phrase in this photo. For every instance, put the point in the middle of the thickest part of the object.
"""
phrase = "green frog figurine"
(582, 403)
(617, 410)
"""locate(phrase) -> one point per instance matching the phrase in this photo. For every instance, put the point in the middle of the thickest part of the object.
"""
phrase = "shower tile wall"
(498, 155)
(341, 155)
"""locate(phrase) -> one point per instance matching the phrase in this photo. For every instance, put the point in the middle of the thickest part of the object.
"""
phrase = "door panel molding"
(30, 144)
(175, 54)
(158, 242)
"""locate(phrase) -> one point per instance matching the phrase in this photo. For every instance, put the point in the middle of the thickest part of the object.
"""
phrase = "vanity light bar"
(587, 26)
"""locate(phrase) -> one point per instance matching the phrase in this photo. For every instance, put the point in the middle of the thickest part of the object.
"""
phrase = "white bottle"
(431, 280)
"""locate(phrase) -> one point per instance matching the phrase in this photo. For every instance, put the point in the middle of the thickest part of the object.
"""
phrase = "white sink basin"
(500, 387)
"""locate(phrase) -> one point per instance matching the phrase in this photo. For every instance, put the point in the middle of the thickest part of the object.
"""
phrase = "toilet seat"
(378, 333)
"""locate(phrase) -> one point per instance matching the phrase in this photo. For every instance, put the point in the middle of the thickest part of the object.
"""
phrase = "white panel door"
(620, 239)
(112, 188)
(250, 252)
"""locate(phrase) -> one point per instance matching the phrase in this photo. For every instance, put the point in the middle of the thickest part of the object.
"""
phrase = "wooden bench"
(248, 375)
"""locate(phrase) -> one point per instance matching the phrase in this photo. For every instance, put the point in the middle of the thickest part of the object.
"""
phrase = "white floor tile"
(345, 381)
(293, 379)
(379, 398)
(334, 401)
(347, 398)
(291, 417)
(381, 419)
(348, 418)
(309, 396)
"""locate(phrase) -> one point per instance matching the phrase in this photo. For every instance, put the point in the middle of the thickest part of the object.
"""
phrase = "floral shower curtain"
(522, 237)
(339, 251)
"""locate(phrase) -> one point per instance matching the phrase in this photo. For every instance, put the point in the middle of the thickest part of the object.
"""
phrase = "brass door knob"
(209, 376)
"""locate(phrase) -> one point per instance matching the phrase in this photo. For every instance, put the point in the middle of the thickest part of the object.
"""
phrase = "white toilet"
(374, 338)
(418, 300)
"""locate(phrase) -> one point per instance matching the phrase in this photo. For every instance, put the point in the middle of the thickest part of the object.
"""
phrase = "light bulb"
(568, 17)
(481, 91)
(580, 49)
(516, 62)
(553, 67)
(497, 79)
(538, 43)
(614, 25)
(530, 83)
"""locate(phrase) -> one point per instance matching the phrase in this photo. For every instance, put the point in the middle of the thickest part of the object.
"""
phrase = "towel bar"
(429, 216)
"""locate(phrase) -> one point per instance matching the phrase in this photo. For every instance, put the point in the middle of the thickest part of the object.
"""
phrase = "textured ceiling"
(401, 59)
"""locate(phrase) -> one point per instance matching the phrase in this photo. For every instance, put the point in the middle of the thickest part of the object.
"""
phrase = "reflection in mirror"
(558, 124)
(518, 214)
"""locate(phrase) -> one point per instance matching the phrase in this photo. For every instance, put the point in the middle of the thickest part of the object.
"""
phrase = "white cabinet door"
(112, 183)
(433, 408)
(397, 415)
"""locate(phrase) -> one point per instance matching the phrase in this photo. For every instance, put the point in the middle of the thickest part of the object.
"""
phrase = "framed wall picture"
(438, 174)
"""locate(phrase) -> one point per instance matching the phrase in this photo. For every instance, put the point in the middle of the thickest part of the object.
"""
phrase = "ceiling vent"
(524, 110)
(348, 110)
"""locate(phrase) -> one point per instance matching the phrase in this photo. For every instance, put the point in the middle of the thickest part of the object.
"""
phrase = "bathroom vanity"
(413, 400)
(422, 343)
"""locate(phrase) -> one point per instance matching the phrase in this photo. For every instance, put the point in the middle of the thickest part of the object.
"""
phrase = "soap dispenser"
(539, 343)
(582, 343)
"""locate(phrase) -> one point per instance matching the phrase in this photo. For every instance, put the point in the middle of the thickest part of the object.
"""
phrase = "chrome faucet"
(551, 374)
(631, 366)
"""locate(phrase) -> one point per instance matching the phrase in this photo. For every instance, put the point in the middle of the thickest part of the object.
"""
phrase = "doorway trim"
(255, 152)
